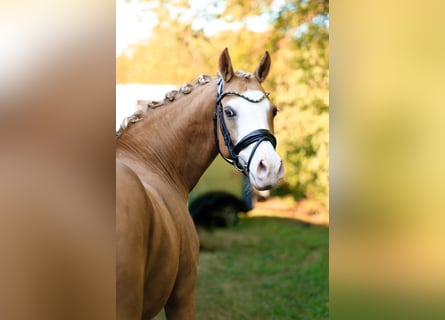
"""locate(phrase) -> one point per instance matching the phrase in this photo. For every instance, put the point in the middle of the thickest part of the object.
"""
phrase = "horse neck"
(175, 140)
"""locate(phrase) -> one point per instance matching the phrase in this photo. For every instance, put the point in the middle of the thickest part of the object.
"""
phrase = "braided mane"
(169, 97)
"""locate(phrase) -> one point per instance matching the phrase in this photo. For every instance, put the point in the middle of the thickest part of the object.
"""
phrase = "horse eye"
(230, 113)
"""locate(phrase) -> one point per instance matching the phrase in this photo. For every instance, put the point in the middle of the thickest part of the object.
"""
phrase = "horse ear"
(263, 68)
(225, 66)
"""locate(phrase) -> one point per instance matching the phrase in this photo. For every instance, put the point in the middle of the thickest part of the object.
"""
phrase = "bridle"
(257, 136)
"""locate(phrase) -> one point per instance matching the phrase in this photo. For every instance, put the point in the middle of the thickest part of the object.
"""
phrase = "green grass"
(264, 268)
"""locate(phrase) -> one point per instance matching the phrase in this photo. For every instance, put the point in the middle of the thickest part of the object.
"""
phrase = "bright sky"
(134, 21)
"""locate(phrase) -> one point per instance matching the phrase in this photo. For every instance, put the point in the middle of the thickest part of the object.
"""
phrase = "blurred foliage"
(298, 40)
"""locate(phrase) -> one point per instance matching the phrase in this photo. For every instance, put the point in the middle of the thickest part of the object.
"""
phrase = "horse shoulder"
(174, 213)
(132, 225)
(147, 246)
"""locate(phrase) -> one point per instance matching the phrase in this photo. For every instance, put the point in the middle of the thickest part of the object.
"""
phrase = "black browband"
(256, 136)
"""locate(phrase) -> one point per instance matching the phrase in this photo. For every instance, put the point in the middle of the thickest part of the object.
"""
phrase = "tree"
(298, 41)
(302, 82)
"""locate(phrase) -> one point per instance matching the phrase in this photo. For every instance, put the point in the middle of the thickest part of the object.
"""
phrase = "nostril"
(281, 170)
(262, 169)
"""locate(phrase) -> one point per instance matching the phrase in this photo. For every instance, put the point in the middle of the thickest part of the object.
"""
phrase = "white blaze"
(266, 166)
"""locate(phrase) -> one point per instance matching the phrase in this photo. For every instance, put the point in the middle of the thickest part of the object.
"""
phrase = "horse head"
(244, 123)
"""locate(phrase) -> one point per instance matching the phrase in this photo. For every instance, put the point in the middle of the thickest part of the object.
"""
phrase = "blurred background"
(57, 175)
(272, 263)
(172, 42)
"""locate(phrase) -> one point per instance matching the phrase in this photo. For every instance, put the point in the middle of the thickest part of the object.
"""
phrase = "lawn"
(264, 268)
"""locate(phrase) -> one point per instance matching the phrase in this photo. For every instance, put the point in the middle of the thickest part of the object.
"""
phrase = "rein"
(257, 136)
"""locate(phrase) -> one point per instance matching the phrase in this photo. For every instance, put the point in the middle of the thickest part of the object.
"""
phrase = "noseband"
(256, 136)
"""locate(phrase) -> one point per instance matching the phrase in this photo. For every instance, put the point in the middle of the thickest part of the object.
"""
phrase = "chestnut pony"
(161, 153)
